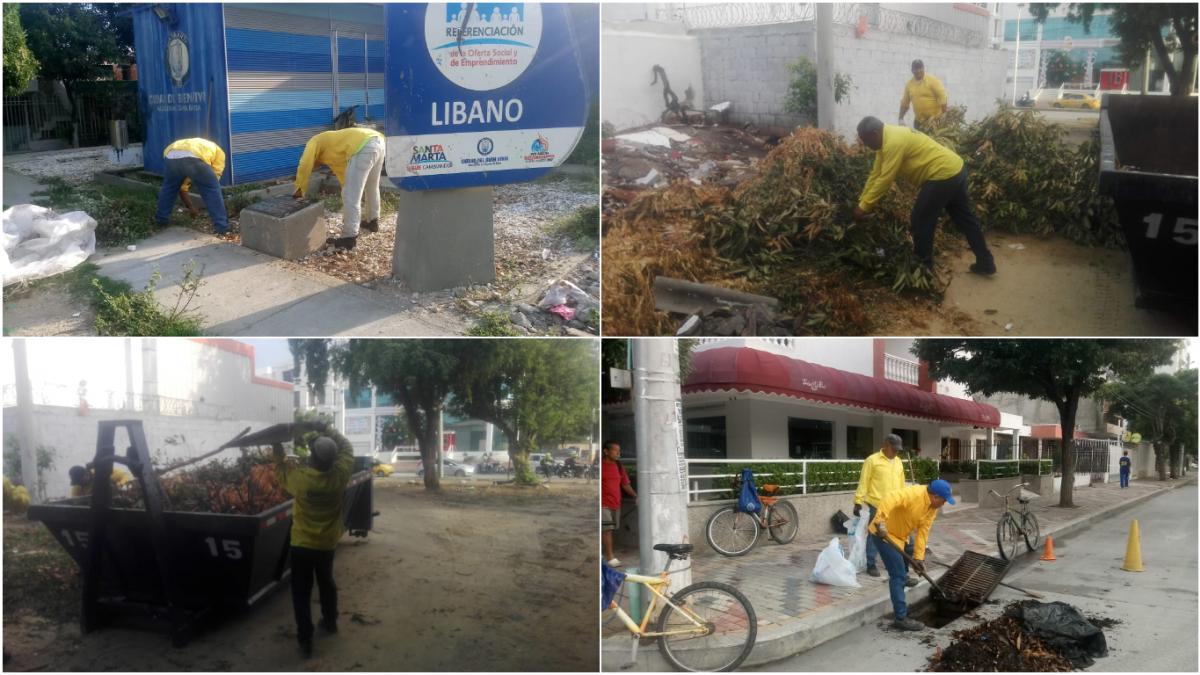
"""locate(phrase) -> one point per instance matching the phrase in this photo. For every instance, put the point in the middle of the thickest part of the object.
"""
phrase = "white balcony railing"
(901, 370)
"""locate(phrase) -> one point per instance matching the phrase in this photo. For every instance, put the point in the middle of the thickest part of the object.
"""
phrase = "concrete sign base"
(444, 238)
(284, 227)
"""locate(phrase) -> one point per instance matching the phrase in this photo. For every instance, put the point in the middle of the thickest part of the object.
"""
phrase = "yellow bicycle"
(705, 627)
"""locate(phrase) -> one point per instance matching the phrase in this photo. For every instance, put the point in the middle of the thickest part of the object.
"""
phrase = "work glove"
(881, 530)
(919, 566)
(857, 510)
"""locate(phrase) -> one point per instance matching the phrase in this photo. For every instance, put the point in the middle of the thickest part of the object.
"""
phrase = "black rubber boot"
(370, 225)
(342, 243)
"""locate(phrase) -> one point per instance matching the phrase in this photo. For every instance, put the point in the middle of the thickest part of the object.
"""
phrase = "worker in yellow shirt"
(925, 93)
(882, 474)
(915, 158)
(355, 155)
(198, 162)
(907, 510)
(317, 525)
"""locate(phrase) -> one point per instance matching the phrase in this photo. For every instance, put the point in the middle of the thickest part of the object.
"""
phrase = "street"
(1157, 608)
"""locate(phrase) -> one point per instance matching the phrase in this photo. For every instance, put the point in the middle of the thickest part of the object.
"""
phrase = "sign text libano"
(457, 113)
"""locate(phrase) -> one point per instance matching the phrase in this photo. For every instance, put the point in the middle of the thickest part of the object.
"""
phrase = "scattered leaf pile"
(1029, 637)
(244, 486)
(787, 232)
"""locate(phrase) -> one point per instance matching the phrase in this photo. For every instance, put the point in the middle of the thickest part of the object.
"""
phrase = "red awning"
(750, 370)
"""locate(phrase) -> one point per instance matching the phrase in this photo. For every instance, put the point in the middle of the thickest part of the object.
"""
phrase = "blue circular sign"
(481, 93)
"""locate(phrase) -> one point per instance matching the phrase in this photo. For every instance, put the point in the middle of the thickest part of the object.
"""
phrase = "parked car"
(451, 468)
(1078, 101)
(382, 470)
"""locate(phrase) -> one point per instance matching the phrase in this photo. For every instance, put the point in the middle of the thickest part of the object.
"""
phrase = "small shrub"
(493, 324)
(581, 227)
(140, 315)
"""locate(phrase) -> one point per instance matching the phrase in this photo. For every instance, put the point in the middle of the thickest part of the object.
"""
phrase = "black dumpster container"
(210, 561)
(1148, 166)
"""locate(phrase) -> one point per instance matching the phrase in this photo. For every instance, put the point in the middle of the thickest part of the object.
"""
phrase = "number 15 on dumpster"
(1185, 228)
(232, 548)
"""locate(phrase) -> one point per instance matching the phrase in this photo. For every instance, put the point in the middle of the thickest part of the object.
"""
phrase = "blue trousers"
(871, 552)
(1124, 479)
(897, 570)
(949, 195)
(203, 180)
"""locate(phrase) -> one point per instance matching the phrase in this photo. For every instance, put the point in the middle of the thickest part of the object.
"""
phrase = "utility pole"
(661, 462)
(1017, 56)
(441, 439)
(26, 435)
(825, 102)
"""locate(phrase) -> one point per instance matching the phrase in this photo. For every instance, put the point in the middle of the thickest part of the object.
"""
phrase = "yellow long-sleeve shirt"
(208, 152)
(333, 149)
(317, 510)
(910, 156)
(927, 96)
(880, 477)
(903, 511)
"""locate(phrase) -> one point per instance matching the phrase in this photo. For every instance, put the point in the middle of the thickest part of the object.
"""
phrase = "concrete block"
(444, 239)
(284, 227)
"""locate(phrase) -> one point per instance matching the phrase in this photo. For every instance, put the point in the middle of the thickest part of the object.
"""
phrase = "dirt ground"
(46, 310)
(472, 579)
(1051, 287)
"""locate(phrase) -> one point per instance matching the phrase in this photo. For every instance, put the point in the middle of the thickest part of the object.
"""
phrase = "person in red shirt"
(613, 481)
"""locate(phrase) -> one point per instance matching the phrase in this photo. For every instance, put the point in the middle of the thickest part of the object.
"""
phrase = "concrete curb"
(786, 641)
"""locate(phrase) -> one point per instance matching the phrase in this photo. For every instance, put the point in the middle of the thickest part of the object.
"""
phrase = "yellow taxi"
(1077, 101)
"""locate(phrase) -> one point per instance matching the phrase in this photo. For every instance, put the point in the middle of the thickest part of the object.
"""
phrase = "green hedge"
(1029, 467)
(822, 477)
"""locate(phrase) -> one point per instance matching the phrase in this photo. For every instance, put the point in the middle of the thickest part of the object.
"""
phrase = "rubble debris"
(1030, 636)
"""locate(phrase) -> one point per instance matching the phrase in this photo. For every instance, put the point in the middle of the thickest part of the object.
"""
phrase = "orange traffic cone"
(1048, 553)
(1133, 550)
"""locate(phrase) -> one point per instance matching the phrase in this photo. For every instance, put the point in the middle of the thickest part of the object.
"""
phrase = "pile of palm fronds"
(246, 486)
(787, 232)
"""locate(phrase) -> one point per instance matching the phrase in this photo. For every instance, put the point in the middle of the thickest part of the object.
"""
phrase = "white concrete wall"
(748, 66)
(879, 65)
(629, 52)
(72, 437)
(200, 372)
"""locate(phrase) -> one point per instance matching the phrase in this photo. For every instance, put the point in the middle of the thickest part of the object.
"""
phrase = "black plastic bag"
(839, 522)
(1063, 629)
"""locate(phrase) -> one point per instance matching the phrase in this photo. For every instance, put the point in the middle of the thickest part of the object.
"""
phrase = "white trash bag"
(39, 242)
(857, 527)
(832, 568)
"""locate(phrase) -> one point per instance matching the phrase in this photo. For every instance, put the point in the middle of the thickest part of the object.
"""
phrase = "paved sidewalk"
(18, 188)
(795, 614)
(245, 292)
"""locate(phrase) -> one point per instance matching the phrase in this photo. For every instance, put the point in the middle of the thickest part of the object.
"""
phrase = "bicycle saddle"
(678, 551)
(1023, 500)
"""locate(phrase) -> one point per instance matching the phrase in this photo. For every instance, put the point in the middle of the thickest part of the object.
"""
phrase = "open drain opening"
(937, 614)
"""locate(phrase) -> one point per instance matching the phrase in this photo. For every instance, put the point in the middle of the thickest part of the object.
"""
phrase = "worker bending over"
(941, 176)
(355, 155)
(907, 510)
(199, 162)
(317, 526)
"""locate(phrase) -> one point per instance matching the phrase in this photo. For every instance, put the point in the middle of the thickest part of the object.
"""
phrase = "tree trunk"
(1176, 457)
(1187, 68)
(523, 472)
(1160, 459)
(429, 456)
(1066, 419)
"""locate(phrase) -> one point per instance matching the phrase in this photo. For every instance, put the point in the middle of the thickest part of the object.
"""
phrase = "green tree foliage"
(1163, 28)
(1061, 69)
(416, 373)
(20, 65)
(1059, 371)
(1162, 408)
(532, 390)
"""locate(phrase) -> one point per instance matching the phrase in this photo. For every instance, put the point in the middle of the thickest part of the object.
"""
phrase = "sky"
(268, 352)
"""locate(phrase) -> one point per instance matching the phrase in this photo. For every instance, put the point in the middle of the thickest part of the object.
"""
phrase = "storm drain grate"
(972, 578)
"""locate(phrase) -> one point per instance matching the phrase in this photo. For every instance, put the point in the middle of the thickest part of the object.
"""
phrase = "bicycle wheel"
(782, 522)
(730, 628)
(731, 532)
(1029, 523)
(1008, 536)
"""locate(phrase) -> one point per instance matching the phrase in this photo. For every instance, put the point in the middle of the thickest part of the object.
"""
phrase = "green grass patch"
(122, 216)
(493, 324)
(581, 227)
(332, 202)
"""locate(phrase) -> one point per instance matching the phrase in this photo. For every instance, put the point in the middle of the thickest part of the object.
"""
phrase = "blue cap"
(941, 488)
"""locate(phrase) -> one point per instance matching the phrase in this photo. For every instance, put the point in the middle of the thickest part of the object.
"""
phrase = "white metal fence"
(105, 399)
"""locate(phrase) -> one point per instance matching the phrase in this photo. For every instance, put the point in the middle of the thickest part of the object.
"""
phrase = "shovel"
(687, 297)
(912, 563)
